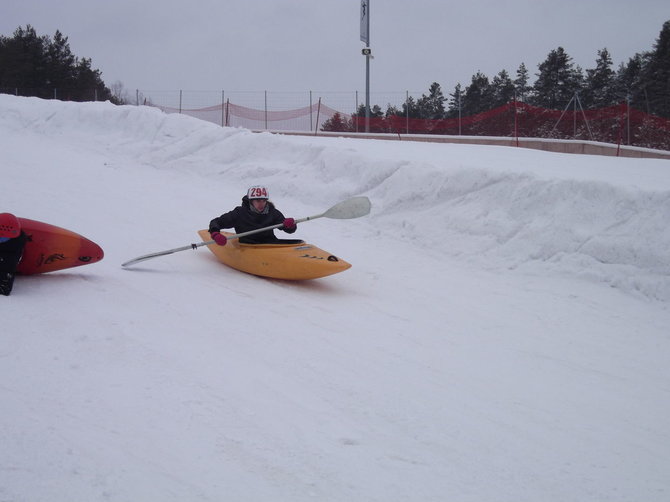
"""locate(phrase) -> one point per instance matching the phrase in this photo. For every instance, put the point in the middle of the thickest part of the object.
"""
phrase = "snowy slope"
(502, 335)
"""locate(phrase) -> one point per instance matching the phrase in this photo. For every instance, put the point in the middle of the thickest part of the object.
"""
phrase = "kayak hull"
(49, 248)
(288, 261)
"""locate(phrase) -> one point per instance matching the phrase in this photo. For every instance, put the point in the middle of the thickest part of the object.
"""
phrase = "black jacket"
(10, 253)
(243, 219)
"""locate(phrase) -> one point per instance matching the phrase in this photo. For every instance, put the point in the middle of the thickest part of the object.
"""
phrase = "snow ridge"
(566, 214)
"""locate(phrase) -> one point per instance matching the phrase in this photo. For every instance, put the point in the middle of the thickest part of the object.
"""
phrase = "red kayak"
(49, 248)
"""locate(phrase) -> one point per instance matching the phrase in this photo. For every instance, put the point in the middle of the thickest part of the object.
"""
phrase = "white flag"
(365, 21)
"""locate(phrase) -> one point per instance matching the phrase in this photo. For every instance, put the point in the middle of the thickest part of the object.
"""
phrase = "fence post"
(628, 119)
(459, 111)
(311, 125)
(266, 110)
(223, 107)
(516, 124)
(407, 111)
(620, 139)
(179, 101)
(356, 108)
(318, 111)
(574, 118)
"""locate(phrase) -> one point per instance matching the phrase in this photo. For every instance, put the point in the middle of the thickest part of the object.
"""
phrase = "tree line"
(42, 66)
(644, 82)
(33, 65)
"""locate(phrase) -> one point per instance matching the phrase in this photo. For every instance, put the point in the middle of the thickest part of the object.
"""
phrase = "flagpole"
(367, 93)
(365, 37)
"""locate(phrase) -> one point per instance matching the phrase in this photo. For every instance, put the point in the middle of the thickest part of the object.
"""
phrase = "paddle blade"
(163, 253)
(145, 257)
(350, 208)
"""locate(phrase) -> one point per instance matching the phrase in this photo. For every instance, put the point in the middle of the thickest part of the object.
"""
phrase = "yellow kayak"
(289, 261)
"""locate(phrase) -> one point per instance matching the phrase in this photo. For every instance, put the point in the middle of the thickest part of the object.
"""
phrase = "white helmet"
(258, 192)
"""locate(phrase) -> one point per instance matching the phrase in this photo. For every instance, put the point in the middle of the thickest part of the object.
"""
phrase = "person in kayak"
(12, 242)
(255, 212)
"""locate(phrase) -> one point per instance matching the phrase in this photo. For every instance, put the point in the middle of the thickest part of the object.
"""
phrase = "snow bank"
(602, 219)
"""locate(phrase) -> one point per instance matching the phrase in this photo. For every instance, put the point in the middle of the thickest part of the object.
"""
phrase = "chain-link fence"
(55, 93)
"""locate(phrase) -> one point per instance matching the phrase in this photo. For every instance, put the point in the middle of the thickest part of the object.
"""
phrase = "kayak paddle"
(347, 209)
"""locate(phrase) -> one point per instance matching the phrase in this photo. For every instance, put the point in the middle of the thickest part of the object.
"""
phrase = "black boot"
(6, 283)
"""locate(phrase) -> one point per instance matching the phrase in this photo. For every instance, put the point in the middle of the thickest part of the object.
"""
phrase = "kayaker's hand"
(289, 224)
(219, 238)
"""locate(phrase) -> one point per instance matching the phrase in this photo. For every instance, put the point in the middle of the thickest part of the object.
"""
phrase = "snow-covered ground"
(503, 334)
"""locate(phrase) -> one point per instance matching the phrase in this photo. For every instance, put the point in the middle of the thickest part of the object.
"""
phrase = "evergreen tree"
(392, 111)
(478, 96)
(600, 89)
(629, 82)
(657, 74)
(557, 81)
(88, 83)
(410, 108)
(61, 63)
(337, 123)
(455, 102)
(23, 62)
(521, 87)
(432, 106)
(375, 111)
(359, 118)
(38, 66)
(502, 89)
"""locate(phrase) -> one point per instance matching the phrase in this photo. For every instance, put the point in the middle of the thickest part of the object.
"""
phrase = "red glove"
(289, 224)
(219, 238)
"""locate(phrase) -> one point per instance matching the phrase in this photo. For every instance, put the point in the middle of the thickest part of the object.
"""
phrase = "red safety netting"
(618, 124)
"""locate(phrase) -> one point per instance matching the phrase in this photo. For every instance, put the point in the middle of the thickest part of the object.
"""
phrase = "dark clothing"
(10, 255)
(243, 218)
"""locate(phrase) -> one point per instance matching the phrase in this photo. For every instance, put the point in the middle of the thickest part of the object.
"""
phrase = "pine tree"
(600, 89)
(629, 81)
(521, 88)
(455, 102)
(88, 83)
(375, 111)
(410, 108)
(61, 63)
(337, 124)
(502, 88)
(392, 111)
(23, 62)
(478, 96)
(432, 106)
(557, 81)
(657, 74)
(38, 66)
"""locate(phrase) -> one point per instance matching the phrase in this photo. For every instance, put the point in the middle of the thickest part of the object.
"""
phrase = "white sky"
(298, 45)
